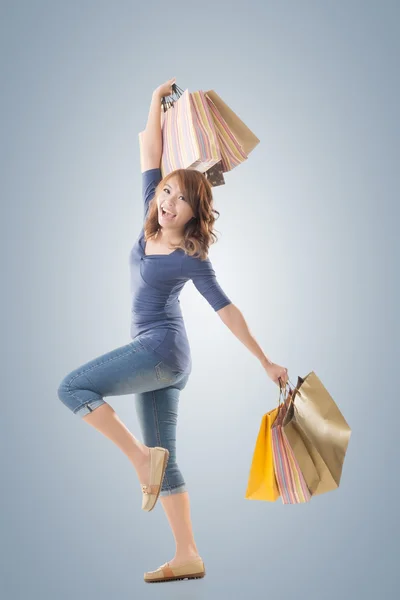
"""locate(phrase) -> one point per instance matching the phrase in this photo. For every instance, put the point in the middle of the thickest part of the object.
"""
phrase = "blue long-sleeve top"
(156, 283)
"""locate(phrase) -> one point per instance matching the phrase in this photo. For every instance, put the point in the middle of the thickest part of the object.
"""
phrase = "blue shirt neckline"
(142, 246)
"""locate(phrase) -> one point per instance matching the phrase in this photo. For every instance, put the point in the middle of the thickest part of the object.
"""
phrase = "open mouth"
(167, 215)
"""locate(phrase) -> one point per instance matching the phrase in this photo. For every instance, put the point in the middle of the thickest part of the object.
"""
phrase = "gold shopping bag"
(262, 484)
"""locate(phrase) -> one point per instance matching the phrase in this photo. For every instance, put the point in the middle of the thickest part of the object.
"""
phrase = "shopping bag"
(189, 137)
(232, 153)
(323, 429)
(207, 135)
(242, 133)
(299, 447)
(291, 483)
(262, 483)
(215, 175)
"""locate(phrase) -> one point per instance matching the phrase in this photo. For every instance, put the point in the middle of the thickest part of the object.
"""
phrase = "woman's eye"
(167, 190)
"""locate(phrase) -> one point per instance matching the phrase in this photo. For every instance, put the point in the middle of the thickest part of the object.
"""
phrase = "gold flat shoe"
(158, 463)
(193, 569)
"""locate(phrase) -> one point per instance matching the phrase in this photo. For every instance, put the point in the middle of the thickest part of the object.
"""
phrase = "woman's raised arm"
(151, 147)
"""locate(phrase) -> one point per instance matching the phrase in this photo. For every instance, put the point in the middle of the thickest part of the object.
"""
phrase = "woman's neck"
(165, 239)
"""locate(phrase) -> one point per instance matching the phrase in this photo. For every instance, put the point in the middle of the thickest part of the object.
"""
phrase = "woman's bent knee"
(76, 395)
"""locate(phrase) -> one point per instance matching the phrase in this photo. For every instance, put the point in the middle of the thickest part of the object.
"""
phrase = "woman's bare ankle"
(186, 555)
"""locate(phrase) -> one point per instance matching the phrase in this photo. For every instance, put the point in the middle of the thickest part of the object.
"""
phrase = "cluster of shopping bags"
(301, 446)
(201, 132)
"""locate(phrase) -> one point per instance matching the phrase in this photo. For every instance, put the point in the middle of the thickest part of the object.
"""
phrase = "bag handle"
(167, 104)
(282, 392)
(177, 90)
(292, 392)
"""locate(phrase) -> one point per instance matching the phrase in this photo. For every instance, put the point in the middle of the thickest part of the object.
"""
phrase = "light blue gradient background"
(308, 237)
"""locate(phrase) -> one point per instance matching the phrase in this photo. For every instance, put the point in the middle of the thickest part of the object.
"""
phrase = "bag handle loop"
(167, 104)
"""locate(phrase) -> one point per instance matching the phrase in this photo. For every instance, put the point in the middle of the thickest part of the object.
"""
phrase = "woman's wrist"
(266, 362)
(157, 94)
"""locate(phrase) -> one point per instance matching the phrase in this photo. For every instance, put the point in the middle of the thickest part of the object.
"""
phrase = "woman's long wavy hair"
(199, 231)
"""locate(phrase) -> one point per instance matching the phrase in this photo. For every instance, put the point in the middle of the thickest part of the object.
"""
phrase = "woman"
(171, 249)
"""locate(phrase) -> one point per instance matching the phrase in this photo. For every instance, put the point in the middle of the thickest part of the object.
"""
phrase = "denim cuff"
(176, 490)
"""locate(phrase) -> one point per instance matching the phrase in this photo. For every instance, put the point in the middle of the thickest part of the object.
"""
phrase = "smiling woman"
(156, 364)
(179, 211)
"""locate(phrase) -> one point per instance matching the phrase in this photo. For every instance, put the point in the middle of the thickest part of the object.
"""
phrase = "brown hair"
(198, 234)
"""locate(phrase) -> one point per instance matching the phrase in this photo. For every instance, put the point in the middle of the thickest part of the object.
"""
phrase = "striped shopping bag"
(232, 152)
(246, 138)
(291, 483)
(189, 137)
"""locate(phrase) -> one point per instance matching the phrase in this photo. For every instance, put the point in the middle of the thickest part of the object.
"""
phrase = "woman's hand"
(276, 372)
(166, 88)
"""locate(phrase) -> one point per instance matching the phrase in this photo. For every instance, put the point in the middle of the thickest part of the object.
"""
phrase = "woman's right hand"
(165, 89)
(277, 373)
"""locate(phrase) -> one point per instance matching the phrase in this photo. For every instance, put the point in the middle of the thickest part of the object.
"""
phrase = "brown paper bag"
(324, 433)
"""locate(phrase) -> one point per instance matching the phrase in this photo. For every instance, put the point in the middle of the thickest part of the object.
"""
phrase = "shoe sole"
(176, 577)
(166, 457)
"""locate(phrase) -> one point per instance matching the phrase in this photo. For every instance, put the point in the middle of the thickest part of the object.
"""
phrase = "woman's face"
(172, 200)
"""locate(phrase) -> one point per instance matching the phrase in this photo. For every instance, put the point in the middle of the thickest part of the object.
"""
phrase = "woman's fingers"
(166, 88)
(283, 377)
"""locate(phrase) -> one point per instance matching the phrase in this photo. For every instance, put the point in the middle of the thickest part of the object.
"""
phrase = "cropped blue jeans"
(133, 369)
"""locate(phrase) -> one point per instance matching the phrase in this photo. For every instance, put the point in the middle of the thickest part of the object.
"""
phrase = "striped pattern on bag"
(188, 135)
(291, 483)
(232, 153)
